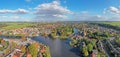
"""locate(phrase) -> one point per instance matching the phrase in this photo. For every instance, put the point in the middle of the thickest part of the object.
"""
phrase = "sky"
(59, 10)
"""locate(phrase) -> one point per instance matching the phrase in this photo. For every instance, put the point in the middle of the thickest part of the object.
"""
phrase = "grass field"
(113, 23)
(16, 25)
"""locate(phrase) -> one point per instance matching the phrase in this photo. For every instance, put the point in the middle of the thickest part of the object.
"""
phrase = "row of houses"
(17, 51)
(111, 47)
(23, 31)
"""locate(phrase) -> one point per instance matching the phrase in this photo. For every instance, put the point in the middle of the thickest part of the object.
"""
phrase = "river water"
(58, 48)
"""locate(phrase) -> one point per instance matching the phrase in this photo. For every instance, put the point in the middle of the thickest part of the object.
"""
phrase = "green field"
(113, 23)
(10, 26)
(15, 25)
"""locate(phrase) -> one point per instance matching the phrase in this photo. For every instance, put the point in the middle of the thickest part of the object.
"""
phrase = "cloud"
(113, 10)
(10, 18)
(13, 18)
(114, 18)
(98, 18)
(86, 16)
(17, 11)
(51, 11)
(113, 13)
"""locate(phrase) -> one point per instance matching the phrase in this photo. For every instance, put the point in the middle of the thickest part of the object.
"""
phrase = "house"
(17, 54)
(42, 49)
(28, 53)
(0, 32)
(94, 53)
(83, 34)
(40, 55)
(99, 44)
(82, 44)
(1, 45)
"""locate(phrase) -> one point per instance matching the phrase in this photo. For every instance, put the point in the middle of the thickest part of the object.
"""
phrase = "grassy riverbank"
(48, 51)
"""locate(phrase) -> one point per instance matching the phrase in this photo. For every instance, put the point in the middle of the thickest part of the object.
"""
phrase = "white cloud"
(114, 18)
(17, 11)
(86, 16)
(13, 18)
(61, 16)
(113, 13)
(113, 10)
(10, 17)
(51, 11)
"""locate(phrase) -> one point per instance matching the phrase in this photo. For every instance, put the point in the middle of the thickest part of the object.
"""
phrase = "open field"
(10, 26)
(15, 25)
(113, 23)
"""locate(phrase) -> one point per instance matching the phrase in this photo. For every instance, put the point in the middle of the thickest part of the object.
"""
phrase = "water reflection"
(58, 48)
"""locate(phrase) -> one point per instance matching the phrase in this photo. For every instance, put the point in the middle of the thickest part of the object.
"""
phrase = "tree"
(106, 34)
(90, 47)
(33, 50)
(73, 42)
(6, 51)
(23, 49)
(99, 55)
(93, 42)
(84, 51)
(117, 41)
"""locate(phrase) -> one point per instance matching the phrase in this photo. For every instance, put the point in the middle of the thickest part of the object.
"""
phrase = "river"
(58, 48)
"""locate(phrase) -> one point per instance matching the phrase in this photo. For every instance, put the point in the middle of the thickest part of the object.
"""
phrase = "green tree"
(85, 51)
(90, 47)
(98, 55)
(23, 49)
(117, 41)
(33, 50)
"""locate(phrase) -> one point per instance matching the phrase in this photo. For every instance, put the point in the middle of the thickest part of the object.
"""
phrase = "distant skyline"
(59, 10)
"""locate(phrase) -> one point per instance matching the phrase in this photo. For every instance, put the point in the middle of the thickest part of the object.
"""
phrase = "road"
(105, 50)
(1, 52)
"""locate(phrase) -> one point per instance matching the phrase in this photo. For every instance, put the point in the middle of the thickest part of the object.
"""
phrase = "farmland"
(9, 26)
(113, 23)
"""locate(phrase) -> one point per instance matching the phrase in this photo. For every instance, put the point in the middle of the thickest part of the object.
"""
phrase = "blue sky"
(60, 10)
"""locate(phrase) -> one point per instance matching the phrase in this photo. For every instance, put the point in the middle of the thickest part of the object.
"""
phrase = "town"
(24, 47)
(89, 38)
